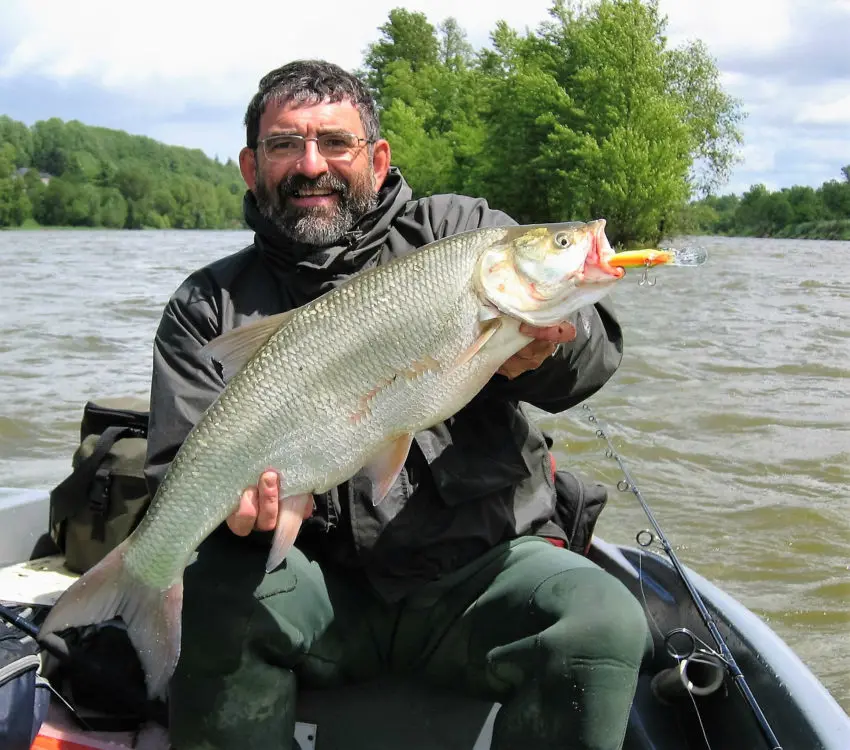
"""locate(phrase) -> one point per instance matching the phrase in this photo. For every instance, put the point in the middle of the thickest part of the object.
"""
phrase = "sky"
(183, 71)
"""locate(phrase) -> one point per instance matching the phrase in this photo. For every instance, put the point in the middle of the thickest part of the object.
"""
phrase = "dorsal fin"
(235, 348)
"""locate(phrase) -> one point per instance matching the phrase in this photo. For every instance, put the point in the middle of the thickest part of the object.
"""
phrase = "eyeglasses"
(331, 145)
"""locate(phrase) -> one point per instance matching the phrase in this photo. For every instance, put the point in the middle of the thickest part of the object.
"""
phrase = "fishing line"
(725, 654)
(699, 719)
(645, 601)
(661, 634)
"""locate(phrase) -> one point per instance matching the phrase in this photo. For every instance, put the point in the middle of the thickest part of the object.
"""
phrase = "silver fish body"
(332, 388)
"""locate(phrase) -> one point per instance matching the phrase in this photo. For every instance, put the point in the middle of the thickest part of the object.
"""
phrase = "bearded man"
(460, 578)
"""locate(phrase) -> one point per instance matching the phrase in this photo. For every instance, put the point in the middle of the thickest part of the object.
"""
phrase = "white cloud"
(200, 51)
(184, 63)
(173, 52)
(731, 25)
(759, 157)
(829, 107)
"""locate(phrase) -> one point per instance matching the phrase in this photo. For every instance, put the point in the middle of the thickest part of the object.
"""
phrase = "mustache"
(294, 183)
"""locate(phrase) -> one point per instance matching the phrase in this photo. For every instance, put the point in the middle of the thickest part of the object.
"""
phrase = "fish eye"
(562, 239)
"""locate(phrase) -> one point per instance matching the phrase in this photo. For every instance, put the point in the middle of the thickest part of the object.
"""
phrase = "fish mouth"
(597, 266)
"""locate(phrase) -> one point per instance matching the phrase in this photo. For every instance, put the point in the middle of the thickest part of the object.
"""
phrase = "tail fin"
(152, 616)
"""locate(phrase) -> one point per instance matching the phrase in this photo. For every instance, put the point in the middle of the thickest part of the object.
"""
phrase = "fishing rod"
(726, 653)
(53, 644)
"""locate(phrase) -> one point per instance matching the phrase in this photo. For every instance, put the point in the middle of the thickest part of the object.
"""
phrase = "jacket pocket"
(577, 508)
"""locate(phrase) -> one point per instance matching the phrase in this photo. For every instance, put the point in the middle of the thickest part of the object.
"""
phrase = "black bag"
(577, 508)
(24, 696)
(101, 502)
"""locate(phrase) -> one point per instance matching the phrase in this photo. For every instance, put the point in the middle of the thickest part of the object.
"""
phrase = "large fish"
(334, 387)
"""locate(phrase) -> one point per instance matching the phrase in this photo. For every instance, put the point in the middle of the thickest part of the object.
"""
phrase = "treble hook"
(644, 279)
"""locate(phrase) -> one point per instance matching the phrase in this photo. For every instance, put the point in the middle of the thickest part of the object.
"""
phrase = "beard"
(317, 226)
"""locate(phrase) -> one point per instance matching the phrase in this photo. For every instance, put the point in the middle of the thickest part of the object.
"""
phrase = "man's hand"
(258, 506)
(534, 354)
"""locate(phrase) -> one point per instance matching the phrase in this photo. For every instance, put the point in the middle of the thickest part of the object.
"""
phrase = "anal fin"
(384, 469)
(292, 511)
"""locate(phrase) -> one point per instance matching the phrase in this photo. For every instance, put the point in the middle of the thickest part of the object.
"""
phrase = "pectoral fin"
(384, 470)
(235, 348)
(488, 312)
(488, 330)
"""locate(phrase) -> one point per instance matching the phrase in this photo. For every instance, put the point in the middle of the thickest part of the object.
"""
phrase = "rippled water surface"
(731, 409)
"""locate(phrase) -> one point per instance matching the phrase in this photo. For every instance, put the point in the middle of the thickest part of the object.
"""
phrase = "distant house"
(44, 176)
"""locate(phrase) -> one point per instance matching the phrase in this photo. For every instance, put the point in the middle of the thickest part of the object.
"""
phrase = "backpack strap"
(72, 493)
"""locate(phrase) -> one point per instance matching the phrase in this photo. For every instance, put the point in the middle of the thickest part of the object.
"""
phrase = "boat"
(687, 697)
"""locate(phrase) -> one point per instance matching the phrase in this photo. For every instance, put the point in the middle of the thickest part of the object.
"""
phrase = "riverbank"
(31, 225)
(835, 229)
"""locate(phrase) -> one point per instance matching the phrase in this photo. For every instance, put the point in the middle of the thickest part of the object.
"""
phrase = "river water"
(731, 408)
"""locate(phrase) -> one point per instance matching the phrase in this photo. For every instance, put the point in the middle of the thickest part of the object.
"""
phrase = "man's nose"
(311, 163)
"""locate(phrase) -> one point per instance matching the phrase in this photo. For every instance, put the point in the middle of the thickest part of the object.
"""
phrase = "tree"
(627, 146)
(591, 115)
(426, 159)
(763, 213)
(406, 36)
(113, 208)
(83, 208)
(7, 160)
(805, 204)
(53, 208)
(15, 206)
(456, 53)
(19, 138)
(836, 199)
(108, 177)
(517, 169)
(711, 115)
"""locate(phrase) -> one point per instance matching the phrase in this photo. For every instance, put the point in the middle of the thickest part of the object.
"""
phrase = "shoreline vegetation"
(590, 115)
(836, 231)
(798, 212)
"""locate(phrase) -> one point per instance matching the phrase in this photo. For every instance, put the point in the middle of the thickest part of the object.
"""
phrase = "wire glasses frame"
(284, 146)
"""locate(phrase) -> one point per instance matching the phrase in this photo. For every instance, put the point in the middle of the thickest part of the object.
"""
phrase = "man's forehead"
(325, 114)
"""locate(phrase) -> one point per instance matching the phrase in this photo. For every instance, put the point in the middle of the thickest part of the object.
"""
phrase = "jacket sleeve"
(184, 381)
(576, 370)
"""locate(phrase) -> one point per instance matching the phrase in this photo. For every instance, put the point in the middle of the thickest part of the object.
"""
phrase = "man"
(450, 578)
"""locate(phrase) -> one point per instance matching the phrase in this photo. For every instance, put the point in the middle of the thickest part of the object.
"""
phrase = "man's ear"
(381, 157)
(248, 167)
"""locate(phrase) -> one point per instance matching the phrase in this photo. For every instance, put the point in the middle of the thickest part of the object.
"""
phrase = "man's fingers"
(241, 521)
(537, 351)
(269, 498)
(530, 357)
(562, 333)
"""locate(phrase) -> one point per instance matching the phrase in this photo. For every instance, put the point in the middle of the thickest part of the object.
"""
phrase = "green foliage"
(70, 174)
(798, 211)
(408, 37)
(589, 116)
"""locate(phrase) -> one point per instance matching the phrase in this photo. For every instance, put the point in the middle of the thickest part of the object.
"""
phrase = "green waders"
(547, 633)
